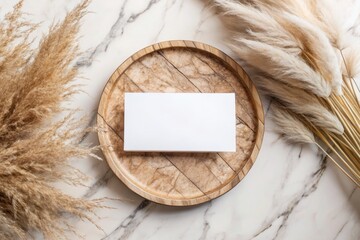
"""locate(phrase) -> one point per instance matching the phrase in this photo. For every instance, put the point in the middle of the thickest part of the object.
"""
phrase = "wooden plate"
(180, 179)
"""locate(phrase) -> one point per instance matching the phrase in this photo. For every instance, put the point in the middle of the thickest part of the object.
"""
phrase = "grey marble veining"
(292, 192)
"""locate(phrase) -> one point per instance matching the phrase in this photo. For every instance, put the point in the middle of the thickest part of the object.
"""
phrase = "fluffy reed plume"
(33, 152)
(306, 58)
(272, 60)
(310, 106)
(293, 129)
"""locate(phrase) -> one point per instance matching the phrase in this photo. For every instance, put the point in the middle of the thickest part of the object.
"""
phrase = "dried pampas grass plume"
(284, 31)
(310, 106)
(285, 67)
(305, 55)
(290, 126)
(33, 152)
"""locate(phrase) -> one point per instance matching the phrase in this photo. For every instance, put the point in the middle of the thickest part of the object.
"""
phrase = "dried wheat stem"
(338, 165)
(340, 153)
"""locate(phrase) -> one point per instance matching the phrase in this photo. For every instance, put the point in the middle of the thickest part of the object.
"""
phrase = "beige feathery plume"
(299, 36)
(295, 131)
(285, 67)
(26, 101)
(300, 102)
(34, 150)
(290, 126)
(315, 47)
(286, 31)
(242, 19)
(351, 65)
(337, 19)
(306, 55)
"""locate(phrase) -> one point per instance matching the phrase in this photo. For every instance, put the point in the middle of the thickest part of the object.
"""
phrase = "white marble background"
(291, 192)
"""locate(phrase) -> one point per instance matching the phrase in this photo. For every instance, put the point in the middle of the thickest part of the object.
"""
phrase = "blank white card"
(180, 122)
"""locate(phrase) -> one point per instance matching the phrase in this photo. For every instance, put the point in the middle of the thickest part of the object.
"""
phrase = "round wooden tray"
(180, 179)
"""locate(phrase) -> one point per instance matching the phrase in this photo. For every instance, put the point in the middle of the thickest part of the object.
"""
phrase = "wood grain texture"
(180, 179)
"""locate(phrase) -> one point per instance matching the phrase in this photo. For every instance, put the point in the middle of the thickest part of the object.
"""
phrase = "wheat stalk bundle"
(306, 56)
(33, 152)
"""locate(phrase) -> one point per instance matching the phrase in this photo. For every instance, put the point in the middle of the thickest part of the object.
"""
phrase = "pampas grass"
(306, 57)
(33, 152)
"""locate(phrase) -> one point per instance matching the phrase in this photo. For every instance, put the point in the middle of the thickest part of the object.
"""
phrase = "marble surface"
(291, 192)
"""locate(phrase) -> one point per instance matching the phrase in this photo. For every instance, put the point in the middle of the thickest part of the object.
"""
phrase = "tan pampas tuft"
(275, 62)
(33, 152)
(292, 128)
(310, 106)
(306, 57)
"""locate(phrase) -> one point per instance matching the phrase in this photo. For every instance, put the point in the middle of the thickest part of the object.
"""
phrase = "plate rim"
(236, 69)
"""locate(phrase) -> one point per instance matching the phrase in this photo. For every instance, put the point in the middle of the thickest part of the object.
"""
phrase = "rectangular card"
(179, 122)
